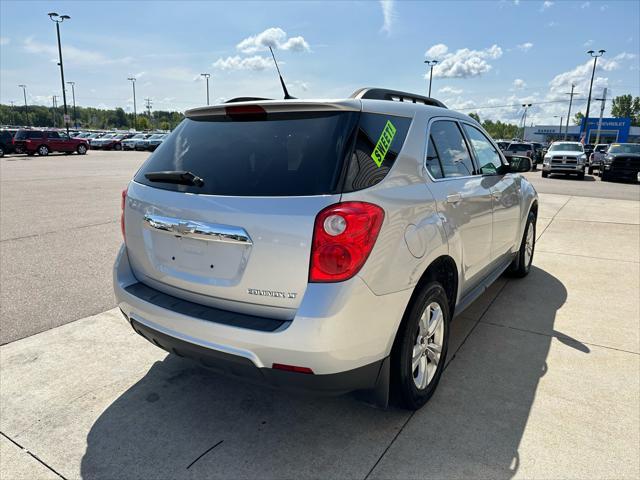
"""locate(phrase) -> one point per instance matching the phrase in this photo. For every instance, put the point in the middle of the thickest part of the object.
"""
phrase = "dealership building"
(611, 130)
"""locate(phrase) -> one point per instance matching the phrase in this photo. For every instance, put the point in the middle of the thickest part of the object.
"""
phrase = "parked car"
(565, 157)
(44, 142)
(621, 161)
(93, 136)
(6, 142)
(503, 144)
(538, 152)
(143, 143)
(279, 250)
(130, 143)
(522, 148)
(588, 149)
(596, 158)
(111, 141)
(155, 140)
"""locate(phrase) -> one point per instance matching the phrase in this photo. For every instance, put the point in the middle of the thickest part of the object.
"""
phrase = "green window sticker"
(384, 143)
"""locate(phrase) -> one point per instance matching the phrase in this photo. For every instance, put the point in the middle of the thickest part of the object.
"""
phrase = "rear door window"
(451, 149)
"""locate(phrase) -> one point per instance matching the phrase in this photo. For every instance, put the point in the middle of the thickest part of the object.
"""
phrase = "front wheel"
(1, 152)
(545, 174)
(581, 176)
(43, 150)
(82, 149)
(117, 147)
(590, 170)
(420, 348)
(522, 263)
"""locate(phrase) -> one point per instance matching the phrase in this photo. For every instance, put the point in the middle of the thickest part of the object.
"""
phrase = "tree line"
(88, 118)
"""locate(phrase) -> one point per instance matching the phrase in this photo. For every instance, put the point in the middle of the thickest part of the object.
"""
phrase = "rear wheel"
(420, 348)
(82, 149)
(522, 263)
(117, 147)
(1, 151)
(545, 174)
(43, 150)
(581, 176)
(604, 176)
(590, 170)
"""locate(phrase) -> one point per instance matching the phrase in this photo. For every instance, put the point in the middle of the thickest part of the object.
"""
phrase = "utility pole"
(73, 92)
(431, 64)
(593, 72)
(12, 117)
(148, 100)
(58, 19)
(26, 107)
(603, 100)
(566, 130)
(206, 76)
(560, 131)
(133, 83)
(54, 110)
(524, 117)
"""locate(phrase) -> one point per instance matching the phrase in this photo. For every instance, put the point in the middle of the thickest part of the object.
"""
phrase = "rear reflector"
(122, 204)
(291, 368)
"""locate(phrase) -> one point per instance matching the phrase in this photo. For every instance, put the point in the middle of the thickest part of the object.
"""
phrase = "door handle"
(454, 197)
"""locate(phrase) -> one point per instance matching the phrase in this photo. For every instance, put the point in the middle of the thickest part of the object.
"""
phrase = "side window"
(378, 143)
(433, 160)
(487, 156)
(35, 134)
(53, 135)
(451, 148)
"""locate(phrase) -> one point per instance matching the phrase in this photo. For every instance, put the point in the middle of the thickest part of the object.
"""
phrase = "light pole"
(58, 19)
(26, 108)
(524, 117)
(593, 72)
(73, 94)
(133, 82)
(560, 131)
(431, 64)
(206, 76)
(12, 118)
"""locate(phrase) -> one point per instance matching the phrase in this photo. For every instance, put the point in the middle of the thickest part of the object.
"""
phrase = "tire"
(117, 147)
(545, 174)
(1, 151)
(604, 177)
(581, 176)
(81, 149)
(522, 263)
(412, 388)
(590, 170)
(31, 154)
(43, 150)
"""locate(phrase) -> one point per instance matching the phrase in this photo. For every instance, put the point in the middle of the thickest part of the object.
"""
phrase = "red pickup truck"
(44, 142)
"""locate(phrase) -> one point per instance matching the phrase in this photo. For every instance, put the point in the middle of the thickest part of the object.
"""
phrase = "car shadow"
(587, 177)
(183, 421)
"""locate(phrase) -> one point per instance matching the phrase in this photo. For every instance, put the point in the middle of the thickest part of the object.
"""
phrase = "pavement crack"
(204, 453)
(58, 231)
(33, 455)
(384, 452)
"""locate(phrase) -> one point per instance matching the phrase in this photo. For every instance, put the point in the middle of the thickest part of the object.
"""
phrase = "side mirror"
(519, 164)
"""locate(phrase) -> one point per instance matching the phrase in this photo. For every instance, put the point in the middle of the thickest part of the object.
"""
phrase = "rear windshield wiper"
(180, 177)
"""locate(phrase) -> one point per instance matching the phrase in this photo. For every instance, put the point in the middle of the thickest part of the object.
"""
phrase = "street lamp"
(206, 76)
(26, 108)
(133, 82)
(593, 72)
(524, 117)
(431, 64)
(58, 19)
(560, 131)
(73, 93)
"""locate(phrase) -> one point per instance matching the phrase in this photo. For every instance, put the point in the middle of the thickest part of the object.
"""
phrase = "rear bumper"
(342, 332)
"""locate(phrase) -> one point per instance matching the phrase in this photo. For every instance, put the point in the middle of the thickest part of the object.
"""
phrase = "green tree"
(625, 106)
(577, 118)
(475, 116)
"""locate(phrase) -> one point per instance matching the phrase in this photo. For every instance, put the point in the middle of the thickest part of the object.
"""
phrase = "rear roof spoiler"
(394, 96)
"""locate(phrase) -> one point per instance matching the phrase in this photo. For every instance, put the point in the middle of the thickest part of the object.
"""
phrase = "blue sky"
(491, 53)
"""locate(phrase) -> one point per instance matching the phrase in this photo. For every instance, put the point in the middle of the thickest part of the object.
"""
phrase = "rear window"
(280, 154)
(519, 147)
(24, 134)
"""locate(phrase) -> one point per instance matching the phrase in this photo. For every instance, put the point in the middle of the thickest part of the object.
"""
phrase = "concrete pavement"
(542, 381)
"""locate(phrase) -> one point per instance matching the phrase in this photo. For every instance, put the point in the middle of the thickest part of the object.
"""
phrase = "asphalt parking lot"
(542, 380)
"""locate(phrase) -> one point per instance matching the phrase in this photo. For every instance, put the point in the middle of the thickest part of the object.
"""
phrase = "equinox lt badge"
(271, 293)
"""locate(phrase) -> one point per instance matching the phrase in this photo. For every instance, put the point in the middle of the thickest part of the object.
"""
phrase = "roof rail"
(395, 95)
(245, 99)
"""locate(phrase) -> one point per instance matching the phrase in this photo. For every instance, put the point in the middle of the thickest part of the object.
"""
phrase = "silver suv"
(321, 245)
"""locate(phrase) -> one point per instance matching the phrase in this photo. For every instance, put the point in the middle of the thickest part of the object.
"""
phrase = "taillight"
(343, 237)
(122, 203)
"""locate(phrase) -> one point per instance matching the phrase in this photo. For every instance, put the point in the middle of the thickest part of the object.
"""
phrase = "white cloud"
(388, 15)
(179, 74)
(450, 90)
(603, 7)
(519, 84)
(72, 54)
(585, 5)
(4, 40)
(546, 4)
(525, 47)
(552, 24)
(275, 38)
(462, 63)
(588, 43)
(237, 62)
(516, 2)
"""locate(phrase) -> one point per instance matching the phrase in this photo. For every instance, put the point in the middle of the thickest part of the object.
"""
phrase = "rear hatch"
(241, 240)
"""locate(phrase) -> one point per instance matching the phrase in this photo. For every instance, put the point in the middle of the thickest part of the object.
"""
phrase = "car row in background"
(123, 140)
